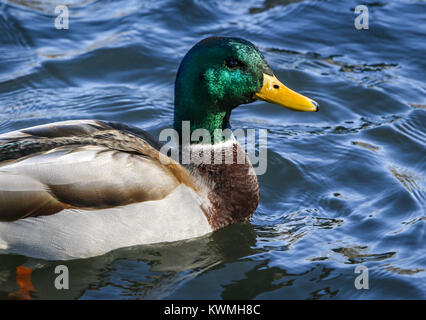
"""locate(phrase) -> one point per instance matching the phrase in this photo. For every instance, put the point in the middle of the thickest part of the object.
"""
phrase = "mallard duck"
(81, 188)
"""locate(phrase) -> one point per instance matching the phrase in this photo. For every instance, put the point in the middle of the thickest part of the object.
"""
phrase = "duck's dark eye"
(232, 63)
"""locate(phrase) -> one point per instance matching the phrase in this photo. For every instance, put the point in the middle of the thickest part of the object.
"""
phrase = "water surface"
(344, 186)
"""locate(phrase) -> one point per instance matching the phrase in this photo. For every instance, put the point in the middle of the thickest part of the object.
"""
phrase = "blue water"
(344, 187)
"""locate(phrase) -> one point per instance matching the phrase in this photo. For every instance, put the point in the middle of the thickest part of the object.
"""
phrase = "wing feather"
(82, 164)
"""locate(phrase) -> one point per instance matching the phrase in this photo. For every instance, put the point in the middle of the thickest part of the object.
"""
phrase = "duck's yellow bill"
(275, 92)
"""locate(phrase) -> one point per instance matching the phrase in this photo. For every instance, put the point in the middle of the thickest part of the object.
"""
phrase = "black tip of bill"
(316, 105)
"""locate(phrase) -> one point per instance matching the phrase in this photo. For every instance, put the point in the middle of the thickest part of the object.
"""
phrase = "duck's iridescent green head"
(217, 75)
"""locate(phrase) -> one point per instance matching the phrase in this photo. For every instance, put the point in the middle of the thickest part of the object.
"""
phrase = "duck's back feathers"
(74, 133)
(81, 164)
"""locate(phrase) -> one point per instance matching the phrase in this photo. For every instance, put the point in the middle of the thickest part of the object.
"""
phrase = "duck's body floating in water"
(78, 189)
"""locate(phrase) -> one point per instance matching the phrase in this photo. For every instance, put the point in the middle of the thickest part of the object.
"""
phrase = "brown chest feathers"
(234, 190)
